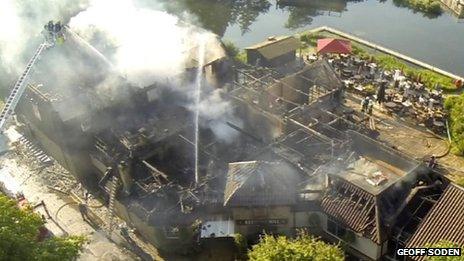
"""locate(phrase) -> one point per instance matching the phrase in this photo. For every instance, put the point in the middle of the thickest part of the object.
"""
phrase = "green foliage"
(370, 89)
(218, 15)
(19, 230)
(430, 7)
(388, 62)
(426, 6)
(429, 78)
(240, 242)
(300, 16)
(304, 247)
(446, 244)
(58, 248)
(455, 107)
(459, 180)
(231, 49)
(310, 39)
(234, 52)
(241, 245)
(241, 57)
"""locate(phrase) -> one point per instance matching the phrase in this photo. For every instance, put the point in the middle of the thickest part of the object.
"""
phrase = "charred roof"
(443, 222)
(259, 183)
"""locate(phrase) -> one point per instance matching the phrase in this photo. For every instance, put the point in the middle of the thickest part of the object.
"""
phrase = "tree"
(446, 244)
(231, 50)
(304, 247)
(19, 230)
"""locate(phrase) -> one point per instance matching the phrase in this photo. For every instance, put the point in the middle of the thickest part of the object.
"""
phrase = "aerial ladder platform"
(53, 32)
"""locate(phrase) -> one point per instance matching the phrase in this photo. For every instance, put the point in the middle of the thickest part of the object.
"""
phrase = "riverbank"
(390, 59)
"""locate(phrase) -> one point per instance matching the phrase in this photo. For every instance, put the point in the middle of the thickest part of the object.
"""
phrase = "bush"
(429, 78)
(231, 50)
(455, 107)
(19, 236)
(241, 245)
(446, 244)
(459, 180)
(234, 52)
(304, 247)
(310, 39)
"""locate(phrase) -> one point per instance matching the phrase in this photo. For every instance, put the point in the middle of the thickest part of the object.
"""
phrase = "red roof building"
(330, 45)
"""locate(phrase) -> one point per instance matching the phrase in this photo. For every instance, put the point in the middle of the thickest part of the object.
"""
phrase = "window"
(335, 229)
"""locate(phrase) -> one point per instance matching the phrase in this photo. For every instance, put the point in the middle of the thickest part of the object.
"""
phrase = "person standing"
(84, 211)
(381, 93)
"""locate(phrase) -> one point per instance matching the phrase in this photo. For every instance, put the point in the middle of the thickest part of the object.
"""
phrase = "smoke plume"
(144, 46)
(148, 45)
(21, 22)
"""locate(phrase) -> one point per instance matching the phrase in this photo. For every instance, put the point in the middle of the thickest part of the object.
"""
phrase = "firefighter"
(365, 104)
(432, 162)
(370, 106)
(381, 93)
(84, 211)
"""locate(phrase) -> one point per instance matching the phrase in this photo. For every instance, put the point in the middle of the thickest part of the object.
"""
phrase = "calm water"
(436, 40)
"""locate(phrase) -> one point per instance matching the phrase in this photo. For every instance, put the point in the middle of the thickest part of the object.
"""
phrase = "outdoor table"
(359, 87)
(357, 61)
(390, 105)
(407, 104)
(390, 91)
(347, 71)
(438, 126)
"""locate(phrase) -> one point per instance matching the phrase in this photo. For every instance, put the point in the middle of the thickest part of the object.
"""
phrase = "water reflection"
(217, 15)
(405, 4)
(302, 12)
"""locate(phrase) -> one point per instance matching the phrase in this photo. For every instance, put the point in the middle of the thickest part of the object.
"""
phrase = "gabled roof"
(330, 45)
(369, 213)
(353, 207)
(276, 46)
(261, 183)
(444, 221)
(322, 74)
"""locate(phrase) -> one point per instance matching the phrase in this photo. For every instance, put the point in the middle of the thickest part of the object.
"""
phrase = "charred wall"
(64, 141)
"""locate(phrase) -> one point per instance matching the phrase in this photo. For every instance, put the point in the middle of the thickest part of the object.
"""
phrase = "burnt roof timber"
(311, 131)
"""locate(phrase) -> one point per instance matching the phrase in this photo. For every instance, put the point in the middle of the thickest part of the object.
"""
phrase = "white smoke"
(144, 45)
(216, 112)
(21, 21)
(150, 45)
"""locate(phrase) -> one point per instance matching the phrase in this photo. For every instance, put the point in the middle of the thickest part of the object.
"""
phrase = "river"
(437, 40)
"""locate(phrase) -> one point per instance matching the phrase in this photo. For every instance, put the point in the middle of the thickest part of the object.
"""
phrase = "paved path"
(68, 220)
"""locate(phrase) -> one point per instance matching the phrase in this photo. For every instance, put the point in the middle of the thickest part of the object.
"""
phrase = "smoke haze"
(148, 45)
(144, 46)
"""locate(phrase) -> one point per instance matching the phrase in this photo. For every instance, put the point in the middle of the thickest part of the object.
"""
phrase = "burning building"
(286, 154)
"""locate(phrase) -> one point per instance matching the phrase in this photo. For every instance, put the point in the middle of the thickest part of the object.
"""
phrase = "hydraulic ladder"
(19, 87)
(114, 185)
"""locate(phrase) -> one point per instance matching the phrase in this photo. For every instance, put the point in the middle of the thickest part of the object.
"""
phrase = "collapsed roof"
(443, 222)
